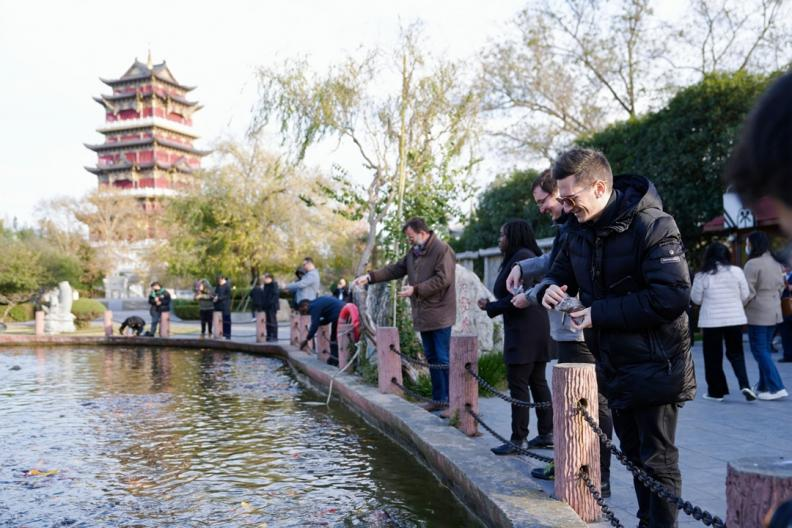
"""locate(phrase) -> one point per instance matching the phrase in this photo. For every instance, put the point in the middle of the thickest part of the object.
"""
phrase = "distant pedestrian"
(765, 277)
(204, 294)
(159, 300)
(721, 290)
(265, 298)
(341, 291)
(222, 303)
(526, 341)
(430, 267)
(134, 323)
(306, 288)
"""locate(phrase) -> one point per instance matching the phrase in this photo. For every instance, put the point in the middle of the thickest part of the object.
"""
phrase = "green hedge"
(85, 311)
(21, 313)
(186, 309)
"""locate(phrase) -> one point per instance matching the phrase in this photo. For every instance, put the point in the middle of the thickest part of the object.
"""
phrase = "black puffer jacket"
(629, 267)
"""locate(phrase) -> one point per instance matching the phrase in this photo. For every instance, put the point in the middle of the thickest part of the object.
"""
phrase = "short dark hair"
(304, 304)
(416, 224)
(268, 275)
(308, 259)
(761, 163)
(760, 244)
(155, 283)
(546, 182)
(586, 165)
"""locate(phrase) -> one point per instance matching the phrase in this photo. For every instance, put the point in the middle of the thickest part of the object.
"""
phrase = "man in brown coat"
(430, 269)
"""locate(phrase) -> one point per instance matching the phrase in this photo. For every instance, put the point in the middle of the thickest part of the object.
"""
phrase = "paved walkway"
(709, 435)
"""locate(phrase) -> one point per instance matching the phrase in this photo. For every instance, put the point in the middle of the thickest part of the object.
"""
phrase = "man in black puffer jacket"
(625, 257)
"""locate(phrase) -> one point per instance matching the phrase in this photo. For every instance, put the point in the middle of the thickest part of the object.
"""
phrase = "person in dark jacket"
(159, 300)
(526, 341)
(134, 323)
(323, 310)
(222, 303)
(625, 257)
(204, 295)
(341, 291)
(270, 306)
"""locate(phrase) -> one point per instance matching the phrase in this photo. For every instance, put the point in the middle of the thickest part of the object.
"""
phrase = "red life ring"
(350, 315)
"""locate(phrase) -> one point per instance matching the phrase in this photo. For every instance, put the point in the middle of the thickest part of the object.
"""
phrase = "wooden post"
(388, 362)
(164, 327)
(39, 324)
(217, 324)
(323, 343)
(462, 387)
(305, 325)
(576, 445)
(108, 323)
(345, 343)
(294, 330)
(755, 487)
(261, 327)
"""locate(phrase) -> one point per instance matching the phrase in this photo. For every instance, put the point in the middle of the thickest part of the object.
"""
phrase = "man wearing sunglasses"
(624, 256)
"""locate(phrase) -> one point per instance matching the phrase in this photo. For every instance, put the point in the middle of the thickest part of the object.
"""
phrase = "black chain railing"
(517, 403)
(609, 515)
(418, 362)
(517, 449)
(656, 487)
(413, 394)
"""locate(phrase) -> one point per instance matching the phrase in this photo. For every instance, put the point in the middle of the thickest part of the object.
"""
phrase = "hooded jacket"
(629, 267)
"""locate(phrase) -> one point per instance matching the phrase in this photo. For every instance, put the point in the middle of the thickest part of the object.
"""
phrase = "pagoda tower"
(148, 150)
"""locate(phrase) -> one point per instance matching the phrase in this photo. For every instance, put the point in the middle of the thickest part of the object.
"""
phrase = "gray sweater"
(305, 288)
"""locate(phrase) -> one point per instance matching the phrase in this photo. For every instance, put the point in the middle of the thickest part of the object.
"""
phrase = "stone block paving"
(709, 435)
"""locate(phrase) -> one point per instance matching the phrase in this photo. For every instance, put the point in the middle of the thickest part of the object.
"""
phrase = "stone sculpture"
(57, 304)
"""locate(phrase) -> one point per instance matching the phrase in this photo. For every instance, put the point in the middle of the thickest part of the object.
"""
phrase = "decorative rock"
(57, 304)
(470, 319)
(755, 487)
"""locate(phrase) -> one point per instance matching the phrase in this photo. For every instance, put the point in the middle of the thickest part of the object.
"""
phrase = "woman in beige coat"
(763, 309)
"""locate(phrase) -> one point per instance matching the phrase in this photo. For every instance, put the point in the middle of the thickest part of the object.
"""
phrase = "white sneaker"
(777, 395)
(712, 398)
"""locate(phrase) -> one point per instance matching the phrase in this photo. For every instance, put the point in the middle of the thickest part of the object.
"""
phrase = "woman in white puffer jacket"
(721, 290)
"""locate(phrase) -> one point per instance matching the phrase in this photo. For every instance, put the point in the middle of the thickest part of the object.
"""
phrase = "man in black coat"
(222, 303)
(270, 302)
(625, 257)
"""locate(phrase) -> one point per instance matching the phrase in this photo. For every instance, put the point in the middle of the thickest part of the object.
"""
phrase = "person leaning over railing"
(625, 257)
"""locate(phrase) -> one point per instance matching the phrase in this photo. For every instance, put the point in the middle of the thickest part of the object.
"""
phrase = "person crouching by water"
(526, 341)
(430, 267)
(134, 323)
(323, 311)
(159, 299)
(204, 295)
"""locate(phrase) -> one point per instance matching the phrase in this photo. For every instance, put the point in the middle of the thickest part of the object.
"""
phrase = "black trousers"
(206, 321)
(647, 438)
(578, 352)
(712, 341)
(272, 324)
(227, 325)
(521, 378)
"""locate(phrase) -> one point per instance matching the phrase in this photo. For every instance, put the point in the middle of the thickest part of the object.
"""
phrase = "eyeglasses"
(569, 201)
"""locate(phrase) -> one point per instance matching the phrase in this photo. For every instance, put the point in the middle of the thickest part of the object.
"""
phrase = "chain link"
(413, 394)
(409, 359)
(516, 448)
(609, 515)
(517, 403)
(656, 487)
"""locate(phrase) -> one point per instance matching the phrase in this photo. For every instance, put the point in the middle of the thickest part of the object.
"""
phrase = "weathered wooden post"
(755, 487)
(323, 343)
(217, 324)
(576, 444)
(39, 322)
(462, 387)
(345, 343)
(164, 327)
(294, 330)
(388, 361)
(108, 323)
(261, 327)
(305, 325)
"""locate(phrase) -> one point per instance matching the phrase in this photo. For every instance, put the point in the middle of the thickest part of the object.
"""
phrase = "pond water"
(166, 437)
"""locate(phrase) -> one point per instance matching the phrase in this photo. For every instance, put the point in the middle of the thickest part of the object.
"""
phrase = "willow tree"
(411, 119)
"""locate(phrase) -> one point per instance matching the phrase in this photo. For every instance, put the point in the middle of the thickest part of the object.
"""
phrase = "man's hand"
(554, 294)
(482, 303)
(514, 279)
(520, 301)
(584, 316)
(304, 344)
(407, 291)
(362, 280)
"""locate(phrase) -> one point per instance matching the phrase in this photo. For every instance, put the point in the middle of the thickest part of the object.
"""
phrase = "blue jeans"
(155, 319)
(436, 344)
(759, 338)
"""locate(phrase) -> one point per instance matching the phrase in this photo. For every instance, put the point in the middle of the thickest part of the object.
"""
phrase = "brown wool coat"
(433, 275)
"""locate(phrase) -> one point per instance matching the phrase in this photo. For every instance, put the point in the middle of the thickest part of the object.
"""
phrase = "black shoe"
(785, 360)
(506, 449)
(545, 473)
(540, 441)
(605, 490)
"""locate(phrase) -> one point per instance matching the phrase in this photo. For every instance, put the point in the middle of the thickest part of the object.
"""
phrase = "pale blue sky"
(52, 54)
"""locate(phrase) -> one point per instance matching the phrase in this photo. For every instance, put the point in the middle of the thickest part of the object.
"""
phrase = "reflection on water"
(159, 437)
